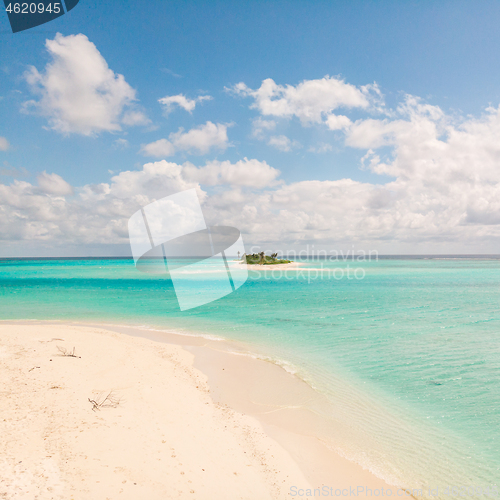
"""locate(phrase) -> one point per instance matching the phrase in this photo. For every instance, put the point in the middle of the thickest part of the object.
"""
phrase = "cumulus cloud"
(170, 102)
(98, 213)
(78, 92)
(135, 117)
(249, 173)
(337, 122)
(198, 141)
(444, 194)
(4, 144)
(323, 147)
(53, 184)
(260, 127)
(161, 147)
(311, 100)
(439, 191)
(153, 181)
(201, 139)
(283, 143)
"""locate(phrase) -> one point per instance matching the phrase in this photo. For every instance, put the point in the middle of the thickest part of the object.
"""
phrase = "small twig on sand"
(51, 340)
(31, 369)
(105, 400)
(65, 352)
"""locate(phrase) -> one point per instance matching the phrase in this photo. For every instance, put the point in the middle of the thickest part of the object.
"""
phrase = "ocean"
(406, 349)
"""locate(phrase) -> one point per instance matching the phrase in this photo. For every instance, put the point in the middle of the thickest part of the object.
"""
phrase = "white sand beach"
(163, 433)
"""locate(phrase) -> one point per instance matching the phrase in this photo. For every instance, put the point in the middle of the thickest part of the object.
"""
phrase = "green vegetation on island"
(265, 260)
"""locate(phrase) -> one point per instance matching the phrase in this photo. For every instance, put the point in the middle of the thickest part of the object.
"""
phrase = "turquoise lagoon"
(407, 352)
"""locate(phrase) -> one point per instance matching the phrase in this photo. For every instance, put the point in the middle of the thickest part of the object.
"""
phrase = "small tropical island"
(263, 259)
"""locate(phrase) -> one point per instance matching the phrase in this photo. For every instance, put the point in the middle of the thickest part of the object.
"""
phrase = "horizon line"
(341, 256)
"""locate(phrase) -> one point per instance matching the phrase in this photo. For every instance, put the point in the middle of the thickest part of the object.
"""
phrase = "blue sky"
(443, 53)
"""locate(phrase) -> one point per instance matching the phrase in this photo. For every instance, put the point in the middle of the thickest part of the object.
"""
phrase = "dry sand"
(165, 434)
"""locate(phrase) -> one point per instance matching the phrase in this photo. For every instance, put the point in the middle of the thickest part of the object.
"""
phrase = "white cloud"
(443, 193)
(98, 213)
(169, 102)
(198, 141)
(78, 92)
(322, 147)
(261, 126)
(121, 143)
(311, 100)
(261, 129)
(4, 144)
(202, 139)
(337, 122)
(282, 143)
(135, 117)
(369, 133)
(161, 147)
(154, 180)
(53, 184)
(249, 173)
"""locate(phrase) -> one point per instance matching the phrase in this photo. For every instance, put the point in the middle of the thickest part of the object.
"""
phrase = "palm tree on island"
(263, 260)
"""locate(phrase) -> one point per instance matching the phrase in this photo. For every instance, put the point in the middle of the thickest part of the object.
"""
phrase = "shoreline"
(290, 265)
(253, 389)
